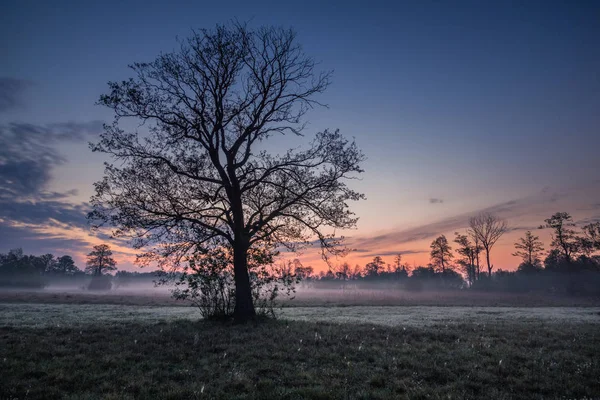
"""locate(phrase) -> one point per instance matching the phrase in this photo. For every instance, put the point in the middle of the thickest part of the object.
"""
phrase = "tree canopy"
(201, 175)
(100, 260)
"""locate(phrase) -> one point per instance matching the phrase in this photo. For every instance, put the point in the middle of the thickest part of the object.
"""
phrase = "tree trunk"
(244, 306)
(487, 257)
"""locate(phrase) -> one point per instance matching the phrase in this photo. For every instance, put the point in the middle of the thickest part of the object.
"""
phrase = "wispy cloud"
(32, 216)
(28, 155)
(526, 213)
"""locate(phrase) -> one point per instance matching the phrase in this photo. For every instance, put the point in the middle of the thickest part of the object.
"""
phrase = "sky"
(459, 107)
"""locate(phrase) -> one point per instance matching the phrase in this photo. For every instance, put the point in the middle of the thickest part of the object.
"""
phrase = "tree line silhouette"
(571, 266)
(19, 270)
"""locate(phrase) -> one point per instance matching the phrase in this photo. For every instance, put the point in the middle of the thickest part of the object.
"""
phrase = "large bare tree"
(487, 228)
(201, 174)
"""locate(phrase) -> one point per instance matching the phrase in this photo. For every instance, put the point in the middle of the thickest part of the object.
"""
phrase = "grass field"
(111, 351)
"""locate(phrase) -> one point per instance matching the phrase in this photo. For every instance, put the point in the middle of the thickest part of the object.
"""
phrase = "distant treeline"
(18, 270)
(572, 266)
(29, 271)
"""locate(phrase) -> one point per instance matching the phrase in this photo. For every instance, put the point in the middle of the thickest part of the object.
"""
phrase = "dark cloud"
(28, 155)
(28, 210)
(434, 200)
(11, 92)
(43, 212)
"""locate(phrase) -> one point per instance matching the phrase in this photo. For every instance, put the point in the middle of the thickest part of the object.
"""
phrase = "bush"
(208, 282)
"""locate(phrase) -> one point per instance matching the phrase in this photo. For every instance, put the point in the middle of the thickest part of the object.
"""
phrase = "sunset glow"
(456, 115)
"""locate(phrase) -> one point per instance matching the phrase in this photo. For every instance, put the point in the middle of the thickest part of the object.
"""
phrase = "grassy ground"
(81, 315)
(65, 351)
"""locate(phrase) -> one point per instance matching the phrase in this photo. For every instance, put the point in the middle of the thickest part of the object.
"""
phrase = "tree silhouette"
(488, 228)
(375, 267)
(477, 249)
(343, 271)
(528, 248)
(398, 262)
(564, 239)
(467, 251)
(441, 252)
(202, 171)
(64, 265)
(592, 236)
(304, 273)
(100, 260)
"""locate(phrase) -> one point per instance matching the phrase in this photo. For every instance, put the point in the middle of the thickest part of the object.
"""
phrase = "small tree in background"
(441, 252)
(529, 248)
(468, 253)
(99, 262)
(343, 271)
(564, 239)
(375, 267)
(488, 228)
(64, 266)
(591, 240)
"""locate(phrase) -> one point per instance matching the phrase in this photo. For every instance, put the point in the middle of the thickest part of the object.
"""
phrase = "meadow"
(97, 348)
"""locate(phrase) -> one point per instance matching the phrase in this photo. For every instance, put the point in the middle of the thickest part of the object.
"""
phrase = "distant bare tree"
(528, 248)
(441, 252)
(202, 172)
(477, 249)
(488, 228)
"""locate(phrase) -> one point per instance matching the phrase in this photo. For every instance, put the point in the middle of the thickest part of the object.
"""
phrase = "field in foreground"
(121, 352)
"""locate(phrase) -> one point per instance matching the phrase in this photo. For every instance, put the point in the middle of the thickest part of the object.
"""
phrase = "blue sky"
(472, 103)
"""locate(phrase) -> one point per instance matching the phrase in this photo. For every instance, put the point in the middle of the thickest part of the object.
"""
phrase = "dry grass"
(78, 315)
(82, 347)
(182, 359)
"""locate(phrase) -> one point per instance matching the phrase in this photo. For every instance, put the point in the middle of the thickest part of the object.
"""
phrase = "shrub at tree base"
(208, 281)
(100, 282)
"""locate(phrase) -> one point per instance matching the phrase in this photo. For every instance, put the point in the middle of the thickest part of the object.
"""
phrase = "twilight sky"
(459, 107)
